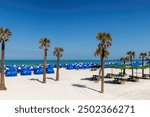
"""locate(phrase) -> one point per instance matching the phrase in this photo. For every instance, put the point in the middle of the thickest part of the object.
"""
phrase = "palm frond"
(5, 34)
(58, 51)
(45, 43)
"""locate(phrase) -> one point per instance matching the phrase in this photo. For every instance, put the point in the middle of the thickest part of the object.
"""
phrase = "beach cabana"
(51, 66)
(49, 70)
(134, 78)
(70, 67)
(119, 77)
(81, 66)
(31, 68)
(136, 68)
(76, 67)
(38, 71)
(25, 71)
(11, 72)
(19, 69)
(63, 65)
(146, 75)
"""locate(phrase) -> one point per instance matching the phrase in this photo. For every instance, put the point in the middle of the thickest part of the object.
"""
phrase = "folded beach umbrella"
(25, 71)
(11, 72)
(49, 70)
(38, 71)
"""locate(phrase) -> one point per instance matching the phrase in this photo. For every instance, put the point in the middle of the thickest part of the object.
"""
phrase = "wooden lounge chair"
(133, 78)
(110, 75)
(93, 69)
(95, 77)
(146, 76)
(118, 80)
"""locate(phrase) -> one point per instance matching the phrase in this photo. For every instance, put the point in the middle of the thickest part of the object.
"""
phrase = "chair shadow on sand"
(51, 78)
(35, 79)
(90, 79)
(84, 86)
(109, 82)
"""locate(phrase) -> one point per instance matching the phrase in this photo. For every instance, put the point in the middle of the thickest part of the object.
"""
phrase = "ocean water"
(34, 62)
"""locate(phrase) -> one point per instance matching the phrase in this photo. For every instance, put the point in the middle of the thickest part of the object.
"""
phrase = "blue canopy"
(49, 70)
(70, 67)
(148, 62)
(76, 67)
(31, 68)
(51, 66)
(25, 71)
(137, 63)
(11, 72)
(38, 71)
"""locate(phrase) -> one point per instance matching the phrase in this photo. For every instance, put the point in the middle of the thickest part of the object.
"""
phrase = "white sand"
(27, 87)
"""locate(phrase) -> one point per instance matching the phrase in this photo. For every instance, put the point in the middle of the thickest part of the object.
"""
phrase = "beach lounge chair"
(93, 69)
(95, 77)
(133, 78)
(146, 76)
(110, 75)
(118, 80)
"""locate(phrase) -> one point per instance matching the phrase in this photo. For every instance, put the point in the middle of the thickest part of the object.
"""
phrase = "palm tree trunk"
(143, 69)
(102, 67)
(149, 68)
(99, 74)
(57, 72)
(124, 70)
(2, 82)
(132, 65)
(44, 75)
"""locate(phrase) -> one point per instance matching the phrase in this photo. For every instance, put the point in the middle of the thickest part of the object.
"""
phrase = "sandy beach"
(74, 85)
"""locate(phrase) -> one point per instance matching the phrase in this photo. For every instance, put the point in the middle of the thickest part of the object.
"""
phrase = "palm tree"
(58, 53)
(44, 45)
(124, 59)
(131, 55)
(98, 53)
(105, 42)
(143, 56)
(5, 34)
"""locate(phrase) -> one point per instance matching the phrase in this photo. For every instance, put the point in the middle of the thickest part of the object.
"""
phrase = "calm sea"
(34, 62)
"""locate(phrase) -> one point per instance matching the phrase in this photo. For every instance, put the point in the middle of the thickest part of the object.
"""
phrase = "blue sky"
(73, 25)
